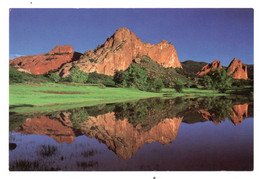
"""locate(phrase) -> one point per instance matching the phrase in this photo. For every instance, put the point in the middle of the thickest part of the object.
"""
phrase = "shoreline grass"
(44, 96)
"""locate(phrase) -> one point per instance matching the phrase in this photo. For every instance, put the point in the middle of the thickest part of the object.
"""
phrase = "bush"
(54, 77)
(189, 84)
(16, 76)
(77, 75)
(101, 86)
(218, 80)
(137, 77)
(133, 77)
(178, 86)
(154, 85)
(120, 78)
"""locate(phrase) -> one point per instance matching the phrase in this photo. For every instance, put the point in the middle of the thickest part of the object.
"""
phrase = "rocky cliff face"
(119, 50)
(116, 53)
(237, 69)
(209, 67)
(41, 64)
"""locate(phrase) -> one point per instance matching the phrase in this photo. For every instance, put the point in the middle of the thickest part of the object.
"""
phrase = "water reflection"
(124, 128)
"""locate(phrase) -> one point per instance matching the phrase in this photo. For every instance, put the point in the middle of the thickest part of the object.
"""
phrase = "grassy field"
(52, 96)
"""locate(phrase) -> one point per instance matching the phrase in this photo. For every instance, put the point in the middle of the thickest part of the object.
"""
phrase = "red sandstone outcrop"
(119, 50)
(237, 69)
(41, 64)
(209, 67)
(238, 113)
(48, 127)
(62, 49)
(121, 137)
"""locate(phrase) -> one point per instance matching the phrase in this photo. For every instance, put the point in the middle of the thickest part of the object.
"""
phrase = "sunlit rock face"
(44, 63)
(54, 128)
(237, 69)
(118, 52)
(121, 137)
(209, 67)
(238, 113)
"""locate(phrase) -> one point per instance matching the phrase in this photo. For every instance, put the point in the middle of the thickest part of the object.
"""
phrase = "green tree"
(77, 75)
(137, 77)
(54, 77)
(120, 78)
(178, 86)
(188, 84)
(154, 84)
(218, 80)
(207, 82)
(16, 76)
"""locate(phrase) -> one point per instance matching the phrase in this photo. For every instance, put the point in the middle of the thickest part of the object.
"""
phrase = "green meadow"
(52, 96)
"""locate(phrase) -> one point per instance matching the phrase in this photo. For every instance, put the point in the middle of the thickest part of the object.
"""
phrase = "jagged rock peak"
(237, 69)
(62, 49)
(118, 52)
(209, 67)
(44, 63)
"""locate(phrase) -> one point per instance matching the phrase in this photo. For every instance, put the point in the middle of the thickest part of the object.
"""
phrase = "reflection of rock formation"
(125, 130)
(238, 113)
(49, 127)
(209, 117)
(121, 137)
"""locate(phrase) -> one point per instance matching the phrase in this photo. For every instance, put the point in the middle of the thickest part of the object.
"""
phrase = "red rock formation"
(237, 69)
(238, 113)
(48, 127)
(209, 67)
(119, 50)
(125, 140)
(41, 64)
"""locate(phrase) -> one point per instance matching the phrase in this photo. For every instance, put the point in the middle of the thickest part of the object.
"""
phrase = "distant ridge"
(192, 66)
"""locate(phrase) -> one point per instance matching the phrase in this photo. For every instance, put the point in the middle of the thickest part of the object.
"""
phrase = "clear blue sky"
(197, 34)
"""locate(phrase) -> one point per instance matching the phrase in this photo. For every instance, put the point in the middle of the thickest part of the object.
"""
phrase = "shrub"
(101, 86)
(218, 80)
(16, 76)
(77, 75)
(54, 77)
(154, 85)
(120, 78)
(137, 77)
(189, 84)
(178, 86)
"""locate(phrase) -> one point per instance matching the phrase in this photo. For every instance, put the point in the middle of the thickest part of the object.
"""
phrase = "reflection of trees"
(217, 106)
(149, 112)
(215, 109)
(138, 111)
(125, 127)
(78, 117)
